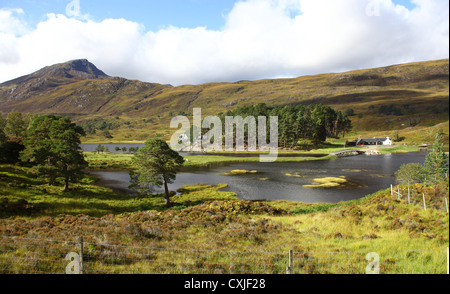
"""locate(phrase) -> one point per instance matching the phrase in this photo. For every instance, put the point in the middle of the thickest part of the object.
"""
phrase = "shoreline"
(208, 164)
(205, 160)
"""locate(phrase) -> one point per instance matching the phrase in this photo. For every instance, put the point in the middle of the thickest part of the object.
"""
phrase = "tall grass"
(325, 238)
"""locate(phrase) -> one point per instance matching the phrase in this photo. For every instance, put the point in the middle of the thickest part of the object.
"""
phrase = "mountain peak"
(80, 69)
(51, 77)
(67, 72)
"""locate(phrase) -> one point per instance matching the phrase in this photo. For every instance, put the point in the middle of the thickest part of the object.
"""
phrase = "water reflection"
(117, 148)
(370, 173)
(111, 147)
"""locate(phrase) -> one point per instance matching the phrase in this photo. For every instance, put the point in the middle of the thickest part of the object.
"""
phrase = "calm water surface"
(370, 173)
(90, 147)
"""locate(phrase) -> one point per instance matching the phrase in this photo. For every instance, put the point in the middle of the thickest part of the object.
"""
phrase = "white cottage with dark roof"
(375, 141)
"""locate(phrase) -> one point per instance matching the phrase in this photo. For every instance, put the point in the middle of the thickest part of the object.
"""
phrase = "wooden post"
(424, 203)
(81, 254)
(289, 269)
(409, 195)
(446, 203)
(392, 190)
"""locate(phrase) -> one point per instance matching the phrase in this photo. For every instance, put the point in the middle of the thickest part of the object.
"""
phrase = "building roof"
(374, 140)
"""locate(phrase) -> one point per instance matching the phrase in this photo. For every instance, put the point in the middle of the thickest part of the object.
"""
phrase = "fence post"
(392, 190)
(80, 241)
(424, 202)
(446, 203)
(409, 195)
(289, 268)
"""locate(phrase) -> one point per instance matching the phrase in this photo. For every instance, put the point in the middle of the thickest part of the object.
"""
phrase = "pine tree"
(52, 144)
(15, 125)
(436, 162)
(155, 164)
(2, 133)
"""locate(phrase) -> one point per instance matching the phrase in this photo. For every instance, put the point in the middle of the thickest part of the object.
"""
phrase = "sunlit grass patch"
(197, 194)
(328, 182)
(108, 160)
(238, 172)
(380, 175)
(294, 175)
(399, 149)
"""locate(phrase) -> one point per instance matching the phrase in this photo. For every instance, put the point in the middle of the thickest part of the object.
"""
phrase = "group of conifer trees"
(49, 144)
(296, 122)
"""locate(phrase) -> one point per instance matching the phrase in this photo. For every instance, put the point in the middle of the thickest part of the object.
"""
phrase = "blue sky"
(197, 41)
(154, 14)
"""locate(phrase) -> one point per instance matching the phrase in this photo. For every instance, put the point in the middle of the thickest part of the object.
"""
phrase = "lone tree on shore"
(155, 165)
(411, 173)
(436, 163)
(52, 145)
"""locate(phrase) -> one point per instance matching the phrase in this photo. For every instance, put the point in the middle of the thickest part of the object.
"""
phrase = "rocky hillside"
(408, 94)
(49, 77)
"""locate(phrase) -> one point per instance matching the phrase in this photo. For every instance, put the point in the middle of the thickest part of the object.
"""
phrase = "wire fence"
(39, 256)
(411, 196)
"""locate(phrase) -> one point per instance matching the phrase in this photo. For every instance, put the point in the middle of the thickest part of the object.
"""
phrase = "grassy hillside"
(135, 234)
(416, 95)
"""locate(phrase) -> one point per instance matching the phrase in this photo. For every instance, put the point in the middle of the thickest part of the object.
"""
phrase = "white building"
(387, 141)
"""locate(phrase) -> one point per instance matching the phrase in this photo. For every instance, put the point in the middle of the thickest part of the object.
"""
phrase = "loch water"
(368, 174)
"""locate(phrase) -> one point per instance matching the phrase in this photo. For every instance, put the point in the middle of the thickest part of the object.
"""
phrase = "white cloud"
(10, 21)
(261, 39)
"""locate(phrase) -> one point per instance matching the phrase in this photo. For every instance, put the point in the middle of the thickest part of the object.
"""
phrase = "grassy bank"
(210, 161)
(206, 219)
(24, 195)
(411, 140)
(108, 160)
(123, 161)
